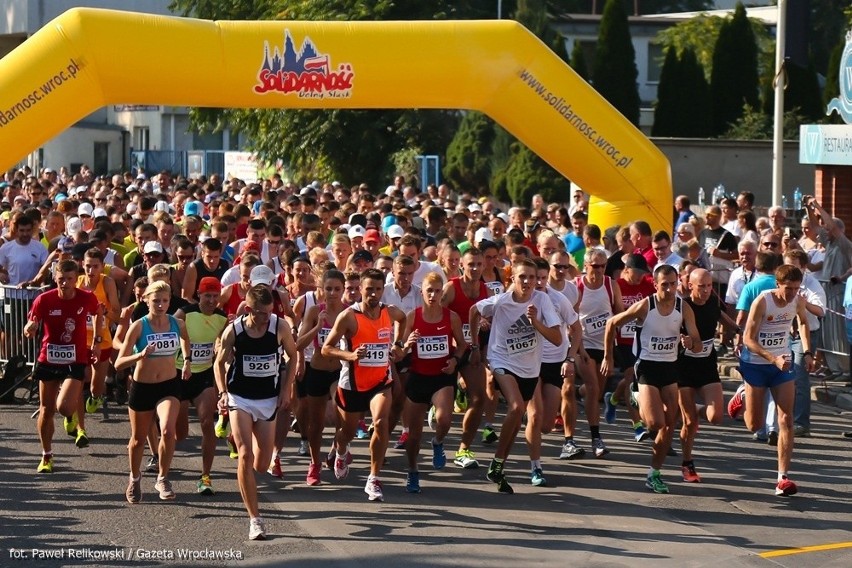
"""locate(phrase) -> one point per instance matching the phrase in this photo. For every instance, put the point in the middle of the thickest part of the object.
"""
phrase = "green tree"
(578, 61)
(695, 98)
(468, 163)
(666, 111)
(832, 78)
(734, 79)
(615, 62)
(527, 174)
(802, 92)
(350, 145)
(698, 34)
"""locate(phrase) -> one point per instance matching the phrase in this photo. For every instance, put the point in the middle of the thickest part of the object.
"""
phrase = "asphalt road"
(592, 513)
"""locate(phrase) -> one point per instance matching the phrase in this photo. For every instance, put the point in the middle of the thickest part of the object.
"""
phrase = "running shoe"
(489, 436)
(412, 482)
(655, 483)
(373, 489)
(640, 434)
(257, 530)
(609, 408)
(495, 471)
(361, 432)
(294, 426)
(45, 465)
(303, 447)
(232, 447)
(313, 477)
(736, 405)
(634, 394)
(801, 431)
(93, 404)
(460, 404)
(430, 418)
(772, 438)
(439, 459)
(465, 459)
(558, 424)
(571, 451)
(82, 440)
(504, 487)
(785, 488)
(204, 487)
(153, 464)
(599, 447)
(759, 436)
(672, 453)
(689, 474)
(341, 466)
(400, 443)
(275, 468)
(223, 425)
(329, 459)
(134, 490)
(70, 425)
(537, 478)
(164, 486)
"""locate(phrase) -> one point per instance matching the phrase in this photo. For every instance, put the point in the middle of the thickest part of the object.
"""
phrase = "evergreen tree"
(615, 62)
(734, 79)
(578, 61)
(468, 164)
(527, 174)
(802, 93)
(832, 77)
(694, 107)
(667, 108)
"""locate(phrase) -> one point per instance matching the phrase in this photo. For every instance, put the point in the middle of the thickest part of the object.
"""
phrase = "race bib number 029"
(61, 354)
(201, 352)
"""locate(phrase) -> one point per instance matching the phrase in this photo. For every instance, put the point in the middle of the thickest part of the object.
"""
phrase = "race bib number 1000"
(61, 354)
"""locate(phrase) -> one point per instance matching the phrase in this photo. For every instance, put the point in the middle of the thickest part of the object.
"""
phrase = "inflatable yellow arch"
(88, 58)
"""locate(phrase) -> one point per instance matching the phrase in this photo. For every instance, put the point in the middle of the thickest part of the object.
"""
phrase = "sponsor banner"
(241, 165)
(825, 144)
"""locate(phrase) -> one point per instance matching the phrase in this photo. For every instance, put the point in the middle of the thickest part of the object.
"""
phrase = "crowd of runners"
(271, 306)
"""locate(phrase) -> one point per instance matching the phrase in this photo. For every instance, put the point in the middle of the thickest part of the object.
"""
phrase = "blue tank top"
(165, 344)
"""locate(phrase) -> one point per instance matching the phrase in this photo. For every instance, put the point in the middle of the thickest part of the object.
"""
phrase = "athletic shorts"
(551, 374)
(318, 383)
(358, 401)
(48, 372)
(144, 397)
(656, 373)
(624, 357)
(197, 384)
(404, 364)
(697, 372)
(597, 355)
(765, 376)
(526, 386)
(261, 409)
(421, 388)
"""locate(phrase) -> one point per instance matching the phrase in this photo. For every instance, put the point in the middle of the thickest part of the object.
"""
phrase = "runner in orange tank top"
(371, 331)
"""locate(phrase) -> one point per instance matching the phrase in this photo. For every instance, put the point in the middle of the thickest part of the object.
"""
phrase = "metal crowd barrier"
(17, 353)
(835, 344)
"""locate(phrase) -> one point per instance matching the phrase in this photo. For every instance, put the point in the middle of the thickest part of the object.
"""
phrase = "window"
(100, 163)
(141, 138)
(656, 57)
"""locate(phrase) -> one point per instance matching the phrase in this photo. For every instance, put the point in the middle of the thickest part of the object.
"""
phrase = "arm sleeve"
(486, 306)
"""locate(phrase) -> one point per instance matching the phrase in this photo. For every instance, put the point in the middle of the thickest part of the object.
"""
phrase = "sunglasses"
(597, 265)
(770, 244)
(185, 256)
(561, 266)
(273, 242)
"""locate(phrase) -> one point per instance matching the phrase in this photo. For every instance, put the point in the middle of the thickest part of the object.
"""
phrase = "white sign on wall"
(825, 144)
(241, 165)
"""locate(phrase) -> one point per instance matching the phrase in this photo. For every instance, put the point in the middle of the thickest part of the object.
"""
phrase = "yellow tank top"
(100, 294)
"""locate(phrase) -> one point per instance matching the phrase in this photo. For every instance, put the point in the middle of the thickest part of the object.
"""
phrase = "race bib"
(201, 352)
(323, 333)
(259, 365)
(596, 324)
(61, 354)
(466, 332)
(523, 344)
(772, 339)
(164, 343)
(495, 286)
(663, 345)
(433, 347)
(376, 355)
(628, 330)
(706, 348)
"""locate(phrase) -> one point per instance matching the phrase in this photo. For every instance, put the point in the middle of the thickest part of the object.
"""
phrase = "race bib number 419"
(376, 355)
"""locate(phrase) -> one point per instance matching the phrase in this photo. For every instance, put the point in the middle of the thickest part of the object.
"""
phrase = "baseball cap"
(162, 206)
(251, 246)
(73, 226)
(261, 274)
(474, 207)
(131, 208)
(395, 232)
(192, 208)
(141, 176)
(356, 231)
(358, 219)
(85, 209)
(99, 212)
(483, 234)
(503, 217)
(152, 246)
(362, 255)
(636, 262)
(209, 284)
(372, 235)
(65, 244)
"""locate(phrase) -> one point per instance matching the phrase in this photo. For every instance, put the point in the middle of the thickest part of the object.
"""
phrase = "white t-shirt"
(569, 290)
(231, 276)
(417, 279)
(514, 344)
(22, 261)
(552, 353)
